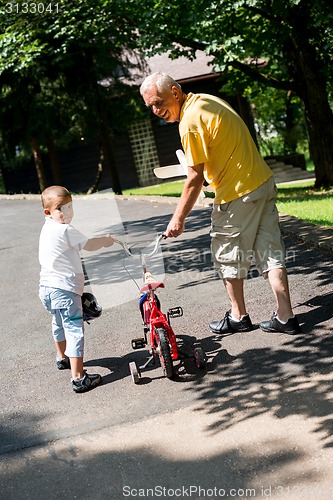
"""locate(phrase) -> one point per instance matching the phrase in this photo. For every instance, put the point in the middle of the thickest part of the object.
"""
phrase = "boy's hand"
(98, 243)
(108, 240)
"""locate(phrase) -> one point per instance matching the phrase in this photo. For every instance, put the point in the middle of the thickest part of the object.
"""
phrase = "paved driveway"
(256, 422)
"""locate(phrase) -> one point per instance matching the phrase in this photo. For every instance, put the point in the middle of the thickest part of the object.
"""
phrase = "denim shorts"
(67, 320)
(247, 228)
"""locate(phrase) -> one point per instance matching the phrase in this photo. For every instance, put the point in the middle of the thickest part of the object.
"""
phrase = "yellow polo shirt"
(212, 133)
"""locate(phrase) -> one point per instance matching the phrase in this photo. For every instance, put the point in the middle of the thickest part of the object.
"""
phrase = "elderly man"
(219, 149)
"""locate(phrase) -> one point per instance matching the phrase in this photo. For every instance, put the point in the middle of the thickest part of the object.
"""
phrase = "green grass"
(166, 189)
(304, 202)
(299, 200)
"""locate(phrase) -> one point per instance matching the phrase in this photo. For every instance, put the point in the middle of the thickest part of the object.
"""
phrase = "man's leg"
(278, 280)
(232, 255)
(235, 291)
(237, 319)
(283, 319)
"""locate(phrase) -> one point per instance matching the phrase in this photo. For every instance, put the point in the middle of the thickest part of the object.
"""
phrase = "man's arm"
(191, 191)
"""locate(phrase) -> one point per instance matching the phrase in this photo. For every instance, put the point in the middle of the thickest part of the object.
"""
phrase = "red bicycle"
(158, 333)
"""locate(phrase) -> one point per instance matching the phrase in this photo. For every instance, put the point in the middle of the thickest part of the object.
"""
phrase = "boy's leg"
(76, 367)
(61, 347)
(73, 326)
(48, 297)
(82, 381)
(63, 362)
(59, 340)
(72, 320)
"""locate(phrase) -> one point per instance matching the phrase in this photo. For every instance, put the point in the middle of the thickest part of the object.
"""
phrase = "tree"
(81, 43)
(279, 121)
(69, 49)
(293, 37)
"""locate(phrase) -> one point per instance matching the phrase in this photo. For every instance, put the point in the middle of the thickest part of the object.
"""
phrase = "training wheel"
(199, 357)
(135, 373)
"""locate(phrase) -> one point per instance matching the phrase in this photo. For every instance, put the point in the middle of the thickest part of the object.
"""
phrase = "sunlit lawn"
(303, 202)
(299, 200)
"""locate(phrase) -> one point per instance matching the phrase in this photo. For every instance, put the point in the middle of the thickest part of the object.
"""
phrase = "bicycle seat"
(150, 283)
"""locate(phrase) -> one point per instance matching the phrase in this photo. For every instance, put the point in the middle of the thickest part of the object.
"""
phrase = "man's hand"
(175, 228)
(191, 191)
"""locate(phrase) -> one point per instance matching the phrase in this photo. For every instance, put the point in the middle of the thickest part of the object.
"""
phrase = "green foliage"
(279, 120)
(65, 72)
(239, 33)
(286, 45)
(54, 64)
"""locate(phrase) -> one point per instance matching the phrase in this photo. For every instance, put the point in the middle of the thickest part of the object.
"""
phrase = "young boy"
(62, 281)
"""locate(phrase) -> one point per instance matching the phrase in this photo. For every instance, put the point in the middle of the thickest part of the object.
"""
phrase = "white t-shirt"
(61, 266)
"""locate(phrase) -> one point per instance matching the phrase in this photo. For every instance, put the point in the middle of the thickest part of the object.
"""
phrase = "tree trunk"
(94, 187)
(107, 146)
(55, 165)
(290, 137)
(109, 158)
(308, 74)
(2, 181)
(319, 119)
(38, 164)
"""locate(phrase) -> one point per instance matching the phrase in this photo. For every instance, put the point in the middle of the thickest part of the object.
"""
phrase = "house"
(153, 141)
(147, 144)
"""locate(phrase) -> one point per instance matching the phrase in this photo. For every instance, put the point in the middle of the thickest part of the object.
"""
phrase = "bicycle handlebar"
(129, 252)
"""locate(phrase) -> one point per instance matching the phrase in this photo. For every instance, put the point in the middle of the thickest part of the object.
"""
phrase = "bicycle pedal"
(139, 343)
(175, 312)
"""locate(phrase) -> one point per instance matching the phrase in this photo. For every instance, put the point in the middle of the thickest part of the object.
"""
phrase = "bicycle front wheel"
(164, 352)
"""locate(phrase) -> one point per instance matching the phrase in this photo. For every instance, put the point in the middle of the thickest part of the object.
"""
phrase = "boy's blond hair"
(50, 194)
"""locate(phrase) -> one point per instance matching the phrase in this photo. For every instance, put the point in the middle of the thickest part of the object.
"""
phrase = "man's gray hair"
(161, 81)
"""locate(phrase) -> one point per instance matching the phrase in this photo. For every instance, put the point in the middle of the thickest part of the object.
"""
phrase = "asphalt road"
(256, 422)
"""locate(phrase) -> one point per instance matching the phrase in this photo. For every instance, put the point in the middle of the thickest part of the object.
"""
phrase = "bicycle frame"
(152, 316)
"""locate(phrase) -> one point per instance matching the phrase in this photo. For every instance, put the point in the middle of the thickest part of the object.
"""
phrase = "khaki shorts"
(247, 228)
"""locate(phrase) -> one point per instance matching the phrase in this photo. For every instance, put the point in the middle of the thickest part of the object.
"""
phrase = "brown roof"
(181, 68)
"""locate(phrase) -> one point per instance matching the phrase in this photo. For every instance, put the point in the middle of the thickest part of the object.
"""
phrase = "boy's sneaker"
(275, 326)
(63, 364)
(86, 382)
(229, 325)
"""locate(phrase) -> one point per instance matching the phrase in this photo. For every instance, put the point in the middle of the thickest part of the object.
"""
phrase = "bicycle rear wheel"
(164, 352)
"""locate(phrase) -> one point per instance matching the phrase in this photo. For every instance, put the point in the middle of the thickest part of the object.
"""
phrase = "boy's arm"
(98, 243)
